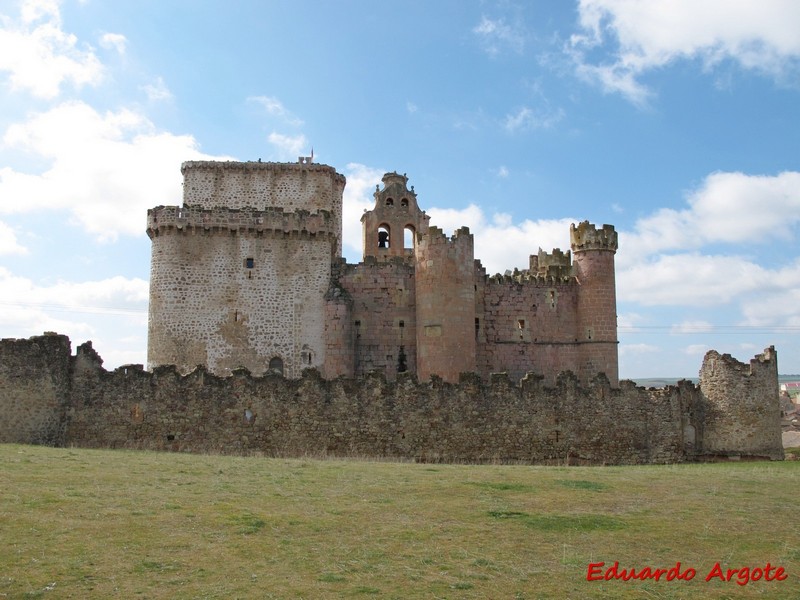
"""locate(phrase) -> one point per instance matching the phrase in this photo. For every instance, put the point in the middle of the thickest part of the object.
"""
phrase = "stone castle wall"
(383, 316)
(227, 299)
(34, 389)
(529, 325)
(51, 397)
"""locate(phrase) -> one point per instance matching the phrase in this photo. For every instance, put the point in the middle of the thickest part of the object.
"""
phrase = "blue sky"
(676, 121)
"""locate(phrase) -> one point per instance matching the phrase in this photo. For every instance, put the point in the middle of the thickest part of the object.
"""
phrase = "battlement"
(586, 236)
(274, 220)
(765, 362)
(436, 236)
(525, 277)
(258, 166)
(556, 264)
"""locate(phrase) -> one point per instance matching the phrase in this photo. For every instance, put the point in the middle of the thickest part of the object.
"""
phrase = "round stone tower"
(593, 265)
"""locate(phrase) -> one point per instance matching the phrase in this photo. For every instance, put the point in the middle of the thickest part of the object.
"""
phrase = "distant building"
(792, 388)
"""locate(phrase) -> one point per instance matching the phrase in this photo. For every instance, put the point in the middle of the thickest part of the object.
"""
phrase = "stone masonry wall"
(227, 299)
(738, 419)
(50, 397)
(529, 325)
(383, 317)
(291, 186)
(34, 389)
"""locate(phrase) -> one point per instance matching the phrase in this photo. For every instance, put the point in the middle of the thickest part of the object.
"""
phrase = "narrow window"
(249, 263)
(477, 326)
(521, 324)
(402, 324)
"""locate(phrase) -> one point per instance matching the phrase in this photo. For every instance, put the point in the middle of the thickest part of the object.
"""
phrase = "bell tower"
(391, 228)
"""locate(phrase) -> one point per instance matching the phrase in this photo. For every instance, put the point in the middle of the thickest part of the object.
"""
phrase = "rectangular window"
(249, 263)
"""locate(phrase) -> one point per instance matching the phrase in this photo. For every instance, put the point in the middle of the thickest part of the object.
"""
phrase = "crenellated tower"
(239, 273)
(593, 252)
(445, 293)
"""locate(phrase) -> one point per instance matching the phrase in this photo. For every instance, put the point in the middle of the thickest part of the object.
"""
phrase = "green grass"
(118, 524)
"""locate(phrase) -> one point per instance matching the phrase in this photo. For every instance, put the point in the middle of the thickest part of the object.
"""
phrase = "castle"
(414, 353)
(248, 273)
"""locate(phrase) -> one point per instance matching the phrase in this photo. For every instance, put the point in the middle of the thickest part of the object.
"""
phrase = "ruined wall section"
(293, 187)
(445, 288)
(530, 325)
(34, 389)
(238, 288)
(743, 415)
(383, 317)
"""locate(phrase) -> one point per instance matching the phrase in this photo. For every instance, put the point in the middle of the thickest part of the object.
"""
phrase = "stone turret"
(593, 265)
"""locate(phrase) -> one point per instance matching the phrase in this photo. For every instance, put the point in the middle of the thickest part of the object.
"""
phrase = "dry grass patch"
(99, 524)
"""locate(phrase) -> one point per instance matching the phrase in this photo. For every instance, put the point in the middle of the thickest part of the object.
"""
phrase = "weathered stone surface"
(248, 273)
(50, 397)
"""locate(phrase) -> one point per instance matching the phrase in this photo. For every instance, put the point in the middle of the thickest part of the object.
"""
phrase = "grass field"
(118, 524)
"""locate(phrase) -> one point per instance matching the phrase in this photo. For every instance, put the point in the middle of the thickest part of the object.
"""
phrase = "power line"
(709, 329)
(97, 310)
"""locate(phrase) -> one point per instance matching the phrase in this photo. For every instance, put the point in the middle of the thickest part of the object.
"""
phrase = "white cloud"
(527, 119)
(114, 41)
(8, 241)
(730, 208)
(698, 350)
(637, 349)
(689, 280)
(503, 172)
(275, 108)
(106, 169)
(39, 56)
(288, 147)
(361, 182)
(411, 107)
(519, 240)
(643, 36)
(495, 35)
(157, 90)
(71, 308)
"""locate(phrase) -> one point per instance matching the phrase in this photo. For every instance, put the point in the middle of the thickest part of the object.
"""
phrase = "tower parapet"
(259, 186)
(273, 219)
(586, 236)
